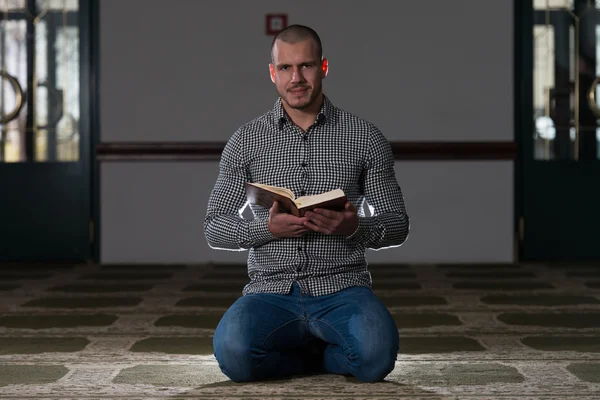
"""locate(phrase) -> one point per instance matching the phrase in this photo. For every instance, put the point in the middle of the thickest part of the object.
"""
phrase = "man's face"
(297, 72)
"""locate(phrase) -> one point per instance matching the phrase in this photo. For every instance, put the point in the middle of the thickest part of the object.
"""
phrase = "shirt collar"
(326, 114)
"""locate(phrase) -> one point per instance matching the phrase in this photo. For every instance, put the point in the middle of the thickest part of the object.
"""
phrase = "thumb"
(274, 208)
(350, 207)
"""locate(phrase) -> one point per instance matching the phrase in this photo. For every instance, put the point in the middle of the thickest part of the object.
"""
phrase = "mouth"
(300, 90)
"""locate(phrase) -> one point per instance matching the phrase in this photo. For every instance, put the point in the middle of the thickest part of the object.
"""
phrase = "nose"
(297, 75)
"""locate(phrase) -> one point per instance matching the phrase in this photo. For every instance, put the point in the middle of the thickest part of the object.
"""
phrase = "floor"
(145, 331)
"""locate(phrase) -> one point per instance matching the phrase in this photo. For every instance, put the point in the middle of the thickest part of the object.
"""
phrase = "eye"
(307, 66)
(284, 67)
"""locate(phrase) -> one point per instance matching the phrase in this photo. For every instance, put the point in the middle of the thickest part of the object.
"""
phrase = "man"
(308, 307)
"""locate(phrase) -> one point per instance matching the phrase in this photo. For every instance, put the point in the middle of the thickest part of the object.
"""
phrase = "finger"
(301, 220)
(293, 221)
(317, 217)
(296, 221)
(327, 213)
(324, 223)
(313, 227)
(318, 228)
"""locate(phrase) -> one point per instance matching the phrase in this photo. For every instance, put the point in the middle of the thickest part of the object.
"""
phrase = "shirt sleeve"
(388, 226)
(224, 226)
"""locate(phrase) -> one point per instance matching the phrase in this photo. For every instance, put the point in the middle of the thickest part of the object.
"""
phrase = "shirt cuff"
(259, 232)
(364, 227)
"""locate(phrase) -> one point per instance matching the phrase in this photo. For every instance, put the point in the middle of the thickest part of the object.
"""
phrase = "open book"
(265, 195)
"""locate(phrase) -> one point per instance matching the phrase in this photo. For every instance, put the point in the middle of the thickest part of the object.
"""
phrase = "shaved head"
(297, 33)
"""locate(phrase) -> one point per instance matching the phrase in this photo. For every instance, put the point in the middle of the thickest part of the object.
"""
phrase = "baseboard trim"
(209, 151)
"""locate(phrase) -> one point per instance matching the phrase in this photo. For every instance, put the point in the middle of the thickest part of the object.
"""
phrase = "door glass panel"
(541, 4)
(12, 4)
(71, 5)
(565, 87)
(13, 64)
(598, 86)
(543, 80)
(41, 43)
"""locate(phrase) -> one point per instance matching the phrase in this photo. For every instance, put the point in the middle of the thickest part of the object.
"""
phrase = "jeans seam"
(278, 328)
(336, 331)
(344, 359)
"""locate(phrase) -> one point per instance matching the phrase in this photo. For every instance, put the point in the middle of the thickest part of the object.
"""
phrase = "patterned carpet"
(145, 332)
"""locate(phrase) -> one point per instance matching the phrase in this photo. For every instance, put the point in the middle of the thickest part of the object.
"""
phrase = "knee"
(232, 346)
(374, 368)
(234, 359)
(374, 362)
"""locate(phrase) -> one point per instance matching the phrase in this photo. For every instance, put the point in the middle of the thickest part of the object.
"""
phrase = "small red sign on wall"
(276, 23)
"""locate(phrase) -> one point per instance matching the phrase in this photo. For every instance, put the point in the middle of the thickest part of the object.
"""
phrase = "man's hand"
(282, 224)
(333, 222)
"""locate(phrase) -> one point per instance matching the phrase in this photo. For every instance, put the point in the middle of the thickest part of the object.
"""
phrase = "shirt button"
(302, 193)
(305, 138)
(304, 164)
(299, 269)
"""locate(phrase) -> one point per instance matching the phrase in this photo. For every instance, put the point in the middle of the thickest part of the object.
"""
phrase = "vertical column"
(55, 100)
(563, 87)
(30, 46)
(587, 73)
(3, 130)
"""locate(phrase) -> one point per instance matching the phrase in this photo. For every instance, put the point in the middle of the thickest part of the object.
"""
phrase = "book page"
(282, 191)
(307, 201)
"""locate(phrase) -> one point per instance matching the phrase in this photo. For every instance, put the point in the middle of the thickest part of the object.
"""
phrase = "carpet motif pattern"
(145, 331)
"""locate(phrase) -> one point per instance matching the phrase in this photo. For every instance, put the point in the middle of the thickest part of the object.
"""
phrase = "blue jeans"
(269, 336)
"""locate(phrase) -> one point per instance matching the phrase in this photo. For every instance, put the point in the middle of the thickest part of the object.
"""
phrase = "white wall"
(188, 70)
(460, 212)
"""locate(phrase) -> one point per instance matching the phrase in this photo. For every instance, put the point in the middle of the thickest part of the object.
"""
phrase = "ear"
(324, 67)
(272, 72)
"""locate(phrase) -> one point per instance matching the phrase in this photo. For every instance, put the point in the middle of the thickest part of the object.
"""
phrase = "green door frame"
(93, 15)
(523, 96)
(88, 22)
(561, 229)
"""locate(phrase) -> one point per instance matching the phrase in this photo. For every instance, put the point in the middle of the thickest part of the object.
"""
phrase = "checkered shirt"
(339, 150)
